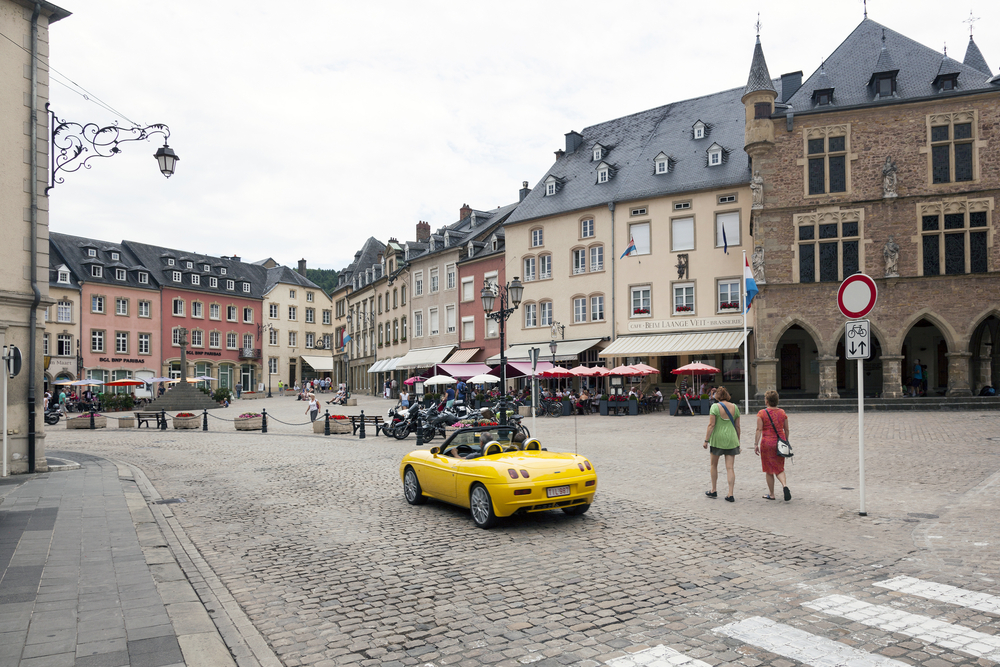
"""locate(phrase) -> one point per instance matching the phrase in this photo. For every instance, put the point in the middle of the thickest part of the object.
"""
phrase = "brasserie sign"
(685, 324)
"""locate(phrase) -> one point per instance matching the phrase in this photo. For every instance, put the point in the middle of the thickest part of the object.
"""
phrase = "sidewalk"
(88, 578)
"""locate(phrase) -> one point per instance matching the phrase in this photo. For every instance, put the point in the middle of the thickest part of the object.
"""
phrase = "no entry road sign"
(857, 296)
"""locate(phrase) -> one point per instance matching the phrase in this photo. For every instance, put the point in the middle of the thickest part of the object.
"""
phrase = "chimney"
(560, 153)
(302, 268)
(789, 84)
(524, 191)
(423, 231)
(464, 212)
(573, 141)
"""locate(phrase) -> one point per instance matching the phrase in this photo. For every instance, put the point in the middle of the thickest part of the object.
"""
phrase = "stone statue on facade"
(757, 190)
(682, 266)
(891, 254)
(889, 181)
(757, 265)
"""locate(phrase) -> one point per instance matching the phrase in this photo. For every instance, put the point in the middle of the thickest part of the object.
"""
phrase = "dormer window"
(170, 262)
(714, 155)
(946, 81)
(246, 287)
(176, 276)
(471, 250)
(552, 185)
(207, 268)
(599, 152)
(884, 83)
(222, 271)
(661, 164)
(96, 271)
(91, 252)
(230, 285)
(120, 274)
(550, 189)
(143, 278)
(494, 244)
(823, 97)
(604, 172)
(115, 256)
(699, 130)
(195, 279)
(63, 277)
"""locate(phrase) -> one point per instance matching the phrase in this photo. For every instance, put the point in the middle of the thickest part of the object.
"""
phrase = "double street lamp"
(366, 320)
(510, 298)
(261, 329)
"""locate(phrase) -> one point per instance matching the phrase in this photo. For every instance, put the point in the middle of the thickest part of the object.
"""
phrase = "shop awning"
(318, 363)
(425, 357)
(377, 366)
(462, 371)
(566, 350)
(463, 356)
(703, 342)
(516, 369)
(390, 364)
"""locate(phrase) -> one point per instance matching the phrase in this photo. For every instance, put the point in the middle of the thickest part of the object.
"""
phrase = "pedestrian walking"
(239, 389)
(916, 384)
(313, 408)
(404, 399)
(771, 422)
(723, 439)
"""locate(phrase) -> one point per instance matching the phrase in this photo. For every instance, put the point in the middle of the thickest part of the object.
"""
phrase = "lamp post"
(261, 328)
(552, 349)
(510, 298)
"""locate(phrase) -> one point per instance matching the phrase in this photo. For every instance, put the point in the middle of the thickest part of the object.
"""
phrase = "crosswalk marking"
(919, 627)
(656, 656)
(802, 646)
(943, 593)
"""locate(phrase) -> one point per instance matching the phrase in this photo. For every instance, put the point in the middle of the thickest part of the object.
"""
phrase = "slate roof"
(637, 140)
(364, 259)
(74, 250)
(974, 57)
(850, 67)
(760, 78)
(463, 231)
(287, 276)
(55, 261)
(154, 258)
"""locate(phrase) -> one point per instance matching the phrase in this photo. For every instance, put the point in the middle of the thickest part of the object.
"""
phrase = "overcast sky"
(304, 128)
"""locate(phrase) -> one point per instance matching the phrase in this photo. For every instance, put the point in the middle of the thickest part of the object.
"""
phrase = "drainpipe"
(614, 257)
(37, 299)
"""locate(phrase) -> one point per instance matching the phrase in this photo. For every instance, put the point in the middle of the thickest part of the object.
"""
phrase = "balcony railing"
(249, 353)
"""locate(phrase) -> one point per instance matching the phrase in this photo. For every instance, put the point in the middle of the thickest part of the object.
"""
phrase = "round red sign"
(857, 296)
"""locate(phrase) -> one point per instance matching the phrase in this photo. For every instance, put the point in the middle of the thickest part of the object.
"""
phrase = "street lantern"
(488, 299)
(552, 349)
(516, 290)
(167, 159)
(510, 298)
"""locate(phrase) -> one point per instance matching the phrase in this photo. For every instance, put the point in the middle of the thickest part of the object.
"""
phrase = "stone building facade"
(886, 161)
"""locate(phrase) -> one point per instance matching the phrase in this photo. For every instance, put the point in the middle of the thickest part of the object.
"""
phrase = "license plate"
(556, 491)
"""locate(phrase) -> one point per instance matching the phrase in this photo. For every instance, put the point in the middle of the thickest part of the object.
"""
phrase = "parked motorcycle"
(52, 415)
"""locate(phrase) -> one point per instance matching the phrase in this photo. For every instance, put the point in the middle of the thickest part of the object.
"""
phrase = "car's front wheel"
(576, 510)
(411, 488)
(481, 506)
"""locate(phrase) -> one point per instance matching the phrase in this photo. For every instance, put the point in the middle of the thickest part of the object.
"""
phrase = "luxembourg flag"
(749, 282)
(630, 249)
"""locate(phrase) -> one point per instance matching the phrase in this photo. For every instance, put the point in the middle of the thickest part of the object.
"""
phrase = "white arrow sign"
(858, 339)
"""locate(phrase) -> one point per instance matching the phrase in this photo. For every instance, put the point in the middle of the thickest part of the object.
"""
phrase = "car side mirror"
(434, 451)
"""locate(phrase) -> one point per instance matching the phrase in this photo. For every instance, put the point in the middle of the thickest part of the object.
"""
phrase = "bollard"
(204, 420)
(361, 435)
(91, 420)
(263, 421)
(163, 420)
(326, 423)
(420, 432)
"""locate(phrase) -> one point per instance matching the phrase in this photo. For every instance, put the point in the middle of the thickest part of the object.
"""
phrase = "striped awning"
(462, 356)
(702, 342)
(425, 357)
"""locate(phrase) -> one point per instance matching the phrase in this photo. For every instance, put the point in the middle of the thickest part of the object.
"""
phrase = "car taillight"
(580, 465)
(587, 463)
(522, 492)
(524, 474)
(590, 482)
(512, 473)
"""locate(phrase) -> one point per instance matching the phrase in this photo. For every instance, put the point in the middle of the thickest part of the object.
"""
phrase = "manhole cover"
(169, 501)
(922, 516)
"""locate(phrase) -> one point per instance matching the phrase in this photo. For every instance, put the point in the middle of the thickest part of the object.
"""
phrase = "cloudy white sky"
(304, 128)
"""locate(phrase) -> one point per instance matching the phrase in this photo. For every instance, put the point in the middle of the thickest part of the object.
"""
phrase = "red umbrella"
(415, 378)
(557, 372)
(125, 383)
(645, 368)
(696, 368)
(585, 371)
(624, 370)
(602, 371)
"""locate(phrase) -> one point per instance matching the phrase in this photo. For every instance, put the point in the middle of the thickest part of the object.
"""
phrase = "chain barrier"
(273, 418)
(204, 415)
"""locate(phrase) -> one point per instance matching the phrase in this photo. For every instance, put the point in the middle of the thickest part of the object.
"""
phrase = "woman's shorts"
(724, 452)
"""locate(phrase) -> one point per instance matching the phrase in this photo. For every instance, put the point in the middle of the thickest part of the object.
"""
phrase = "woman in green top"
(723, 436)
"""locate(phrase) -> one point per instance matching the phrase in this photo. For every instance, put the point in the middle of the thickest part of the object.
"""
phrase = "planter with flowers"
(684, 309)
(339, 424)
(640, 311)
(603, 405)
(186, 420)
(249, 421)
(83, 421)
(729, 305)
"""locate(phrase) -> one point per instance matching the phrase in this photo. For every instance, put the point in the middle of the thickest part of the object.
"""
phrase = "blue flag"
(725, 242)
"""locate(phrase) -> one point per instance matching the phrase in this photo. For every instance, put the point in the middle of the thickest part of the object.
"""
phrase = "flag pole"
(746, 364)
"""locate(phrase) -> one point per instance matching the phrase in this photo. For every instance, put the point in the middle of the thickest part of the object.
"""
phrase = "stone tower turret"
(758, 98)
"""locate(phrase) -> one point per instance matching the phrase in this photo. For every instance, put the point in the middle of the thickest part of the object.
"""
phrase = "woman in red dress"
(766, 443)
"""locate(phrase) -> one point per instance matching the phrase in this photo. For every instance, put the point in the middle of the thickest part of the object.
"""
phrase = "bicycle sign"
(858, 339)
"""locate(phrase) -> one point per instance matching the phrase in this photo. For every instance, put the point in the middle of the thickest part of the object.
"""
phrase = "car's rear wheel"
(411, 488)
(576, 510)
(481, 506)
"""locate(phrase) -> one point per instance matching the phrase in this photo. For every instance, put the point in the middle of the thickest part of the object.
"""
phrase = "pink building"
(487, 263)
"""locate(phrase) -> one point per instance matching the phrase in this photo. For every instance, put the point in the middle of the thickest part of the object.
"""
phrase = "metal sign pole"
(5, 373)
(861, 434)
(533, 353)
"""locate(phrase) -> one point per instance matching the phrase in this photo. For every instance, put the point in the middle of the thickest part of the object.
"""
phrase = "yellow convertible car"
(486, 470)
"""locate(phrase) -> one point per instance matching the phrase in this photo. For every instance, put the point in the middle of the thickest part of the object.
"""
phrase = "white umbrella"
(485, 378)
(440, 379)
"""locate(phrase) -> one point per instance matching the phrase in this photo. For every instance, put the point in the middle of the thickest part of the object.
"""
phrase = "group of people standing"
(722, 439)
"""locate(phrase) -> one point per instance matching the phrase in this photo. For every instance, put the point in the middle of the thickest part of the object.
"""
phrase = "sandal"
(730, 499)
(712, 494)
(768, 497)
(788, 494)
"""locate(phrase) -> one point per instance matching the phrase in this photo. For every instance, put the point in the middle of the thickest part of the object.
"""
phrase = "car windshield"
(469, 443)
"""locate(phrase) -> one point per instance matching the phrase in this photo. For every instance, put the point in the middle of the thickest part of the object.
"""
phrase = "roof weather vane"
(758, 24)
(971, 21)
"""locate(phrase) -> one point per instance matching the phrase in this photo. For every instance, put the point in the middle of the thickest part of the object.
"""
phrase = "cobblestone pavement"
(312, 538)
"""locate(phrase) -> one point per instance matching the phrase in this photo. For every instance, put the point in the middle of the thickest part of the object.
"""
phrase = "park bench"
(144, 417)
(373, 421)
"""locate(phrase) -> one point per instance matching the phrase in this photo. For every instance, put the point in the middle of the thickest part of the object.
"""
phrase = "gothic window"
(829, 247)
(954, 238)
(827, 164)
(951, 138)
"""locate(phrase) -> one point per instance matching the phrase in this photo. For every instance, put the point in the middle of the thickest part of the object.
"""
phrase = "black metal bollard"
(326, 423)
(92, 420)
(420, 432)
(361, 434)
(263, 421)
(204, 420)
(163, 420)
